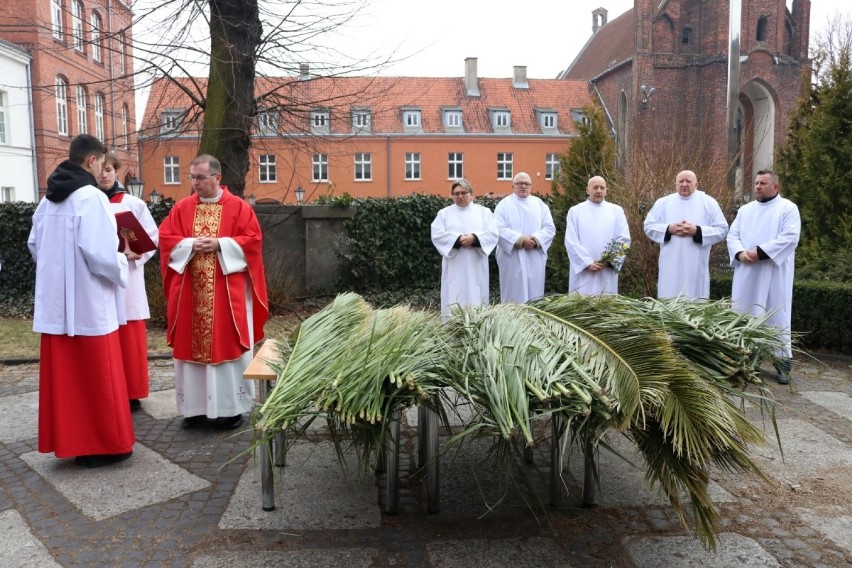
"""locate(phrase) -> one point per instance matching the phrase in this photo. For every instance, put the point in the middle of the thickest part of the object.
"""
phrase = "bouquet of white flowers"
(615, 254)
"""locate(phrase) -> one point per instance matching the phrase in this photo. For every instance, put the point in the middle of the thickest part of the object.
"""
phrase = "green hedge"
(821, 312)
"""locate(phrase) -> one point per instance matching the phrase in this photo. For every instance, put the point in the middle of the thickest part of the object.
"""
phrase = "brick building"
(661, 70)
(81, 75)
(377, 136)
(17, 152)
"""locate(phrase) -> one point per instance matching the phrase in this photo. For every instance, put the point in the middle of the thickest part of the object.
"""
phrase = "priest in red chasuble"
(214, 282)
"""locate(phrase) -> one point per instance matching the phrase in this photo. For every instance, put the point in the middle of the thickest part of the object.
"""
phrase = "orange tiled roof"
(610, 46)
(385, 97)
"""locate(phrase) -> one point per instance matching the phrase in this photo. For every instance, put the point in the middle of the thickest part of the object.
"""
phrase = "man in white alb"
(526, 232)
(591, 227)
(762, 245)
(686, 224)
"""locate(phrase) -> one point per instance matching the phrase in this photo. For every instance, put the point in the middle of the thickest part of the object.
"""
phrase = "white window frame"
(121, 51)
(171, 170)
(56, 18)
(411, 119)
(7, 194)
(170, 121)
(453, 119)
(320, 122)
(124, 132)
(412, 166)
(319, 168)
(455, 165)
(363, 166)
(99, 116)
(505, 165)
(4, 118)
(268, 172)
(97, 37)
(502, 119)
(551, 165)
(548, 120)
(267, 122)
(82, 111)
(362, 121)
(77, 24)
(61, 106)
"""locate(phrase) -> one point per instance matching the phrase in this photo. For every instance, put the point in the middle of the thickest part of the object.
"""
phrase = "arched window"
(664, 35)
(77, 24)
(82, 114)
(61, 106)
(124, 138)
(56, 18)
(97, 37)
(763, 28)
(99, 116)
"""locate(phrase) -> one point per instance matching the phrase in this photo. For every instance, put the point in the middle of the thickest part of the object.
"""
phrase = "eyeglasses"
(523, 184)
(457, 194)
(200, 178)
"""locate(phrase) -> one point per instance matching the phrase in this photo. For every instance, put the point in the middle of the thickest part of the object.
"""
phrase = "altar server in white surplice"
(591, 227)
(762, 246)
(526, 232)
(686, 224)
(465, 234)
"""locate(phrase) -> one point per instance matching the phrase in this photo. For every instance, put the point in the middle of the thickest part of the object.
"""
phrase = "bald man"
(591, 227)
(686, 224)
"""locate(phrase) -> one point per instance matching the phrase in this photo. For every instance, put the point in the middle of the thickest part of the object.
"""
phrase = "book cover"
(130, 228)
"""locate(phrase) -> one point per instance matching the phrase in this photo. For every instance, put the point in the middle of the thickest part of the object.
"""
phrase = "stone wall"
(301, 248)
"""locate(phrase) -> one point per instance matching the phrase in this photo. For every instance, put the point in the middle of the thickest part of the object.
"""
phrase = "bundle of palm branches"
(354, 366)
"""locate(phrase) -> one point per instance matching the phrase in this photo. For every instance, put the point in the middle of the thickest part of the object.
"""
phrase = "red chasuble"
(207, 319)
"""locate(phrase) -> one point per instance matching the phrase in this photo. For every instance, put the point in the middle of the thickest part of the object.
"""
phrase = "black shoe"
(782, 378)
(135, 405)
(100, 460)
(193, 422)
(230, 422)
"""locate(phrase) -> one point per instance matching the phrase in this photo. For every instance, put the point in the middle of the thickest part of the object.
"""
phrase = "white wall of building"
(17, 157)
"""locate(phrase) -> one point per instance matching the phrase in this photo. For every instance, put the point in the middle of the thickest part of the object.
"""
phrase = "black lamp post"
(136, 186)
(154, 197)
(300, 194)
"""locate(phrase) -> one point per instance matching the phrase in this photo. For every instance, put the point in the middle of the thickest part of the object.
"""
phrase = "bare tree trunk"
(235, 33)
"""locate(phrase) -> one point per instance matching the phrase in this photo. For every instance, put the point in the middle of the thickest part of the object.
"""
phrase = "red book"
(129, 228)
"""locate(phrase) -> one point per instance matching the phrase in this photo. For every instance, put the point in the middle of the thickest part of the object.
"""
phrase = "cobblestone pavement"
(192, 498)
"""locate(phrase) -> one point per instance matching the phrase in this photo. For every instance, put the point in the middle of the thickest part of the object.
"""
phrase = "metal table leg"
(429, 434)
(267, 485)
(590, 486)
(556, 460)
(422, 418)
(391, 452)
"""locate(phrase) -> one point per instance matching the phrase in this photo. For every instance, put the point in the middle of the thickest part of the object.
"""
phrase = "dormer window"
(579, 117)
(411, 118)
(320, 122)
(453, 118)
(547, 119)
(502, 119)
(170, 121)
(361, 120)
(267, 123)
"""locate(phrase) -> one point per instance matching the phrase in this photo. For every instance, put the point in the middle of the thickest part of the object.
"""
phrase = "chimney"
(598, 19)
(471, 82)
(304, 72)
(519, 77)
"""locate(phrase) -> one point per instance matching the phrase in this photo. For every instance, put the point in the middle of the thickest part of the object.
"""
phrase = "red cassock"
(207, 320)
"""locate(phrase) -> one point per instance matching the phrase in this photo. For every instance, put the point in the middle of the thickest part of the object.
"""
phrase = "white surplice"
(766, 285)
(78, 267)
(684, 264)
(135, 296)
(464, 271)
(590, 227)
(522, 270)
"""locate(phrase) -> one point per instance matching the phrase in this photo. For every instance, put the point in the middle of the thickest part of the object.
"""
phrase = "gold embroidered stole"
(202, 271)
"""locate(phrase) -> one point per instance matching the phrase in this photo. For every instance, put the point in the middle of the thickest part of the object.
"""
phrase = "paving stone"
(312, 493)
(350, 558)
(18, 546)
(145, 479)
(837, 402)
(837, 528)
(687, 552)
(807, 449)
(161, 405)
(20, 417)
(515, 552)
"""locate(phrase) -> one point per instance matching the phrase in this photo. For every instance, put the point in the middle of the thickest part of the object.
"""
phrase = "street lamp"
(300, 194)
(136, 186)
(154, 197)
(251, 199)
